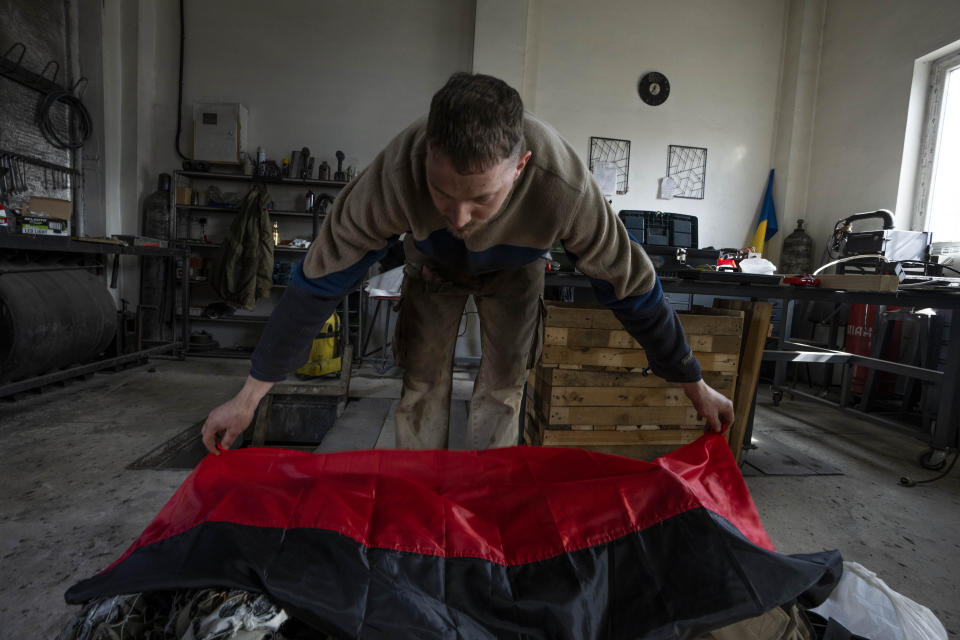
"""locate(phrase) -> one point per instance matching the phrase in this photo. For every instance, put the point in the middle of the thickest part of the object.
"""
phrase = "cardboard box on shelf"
(183, 195)
(46, 217)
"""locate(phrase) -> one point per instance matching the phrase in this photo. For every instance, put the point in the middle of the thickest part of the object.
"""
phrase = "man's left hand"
(710, 404)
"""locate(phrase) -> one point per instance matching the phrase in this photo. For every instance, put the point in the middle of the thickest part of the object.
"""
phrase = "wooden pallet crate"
(590, 388)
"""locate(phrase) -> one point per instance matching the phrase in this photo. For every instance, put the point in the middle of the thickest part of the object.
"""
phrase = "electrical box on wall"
(219, 132)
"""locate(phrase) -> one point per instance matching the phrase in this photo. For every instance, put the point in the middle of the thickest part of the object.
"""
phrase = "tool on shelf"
(304, 169)
(14, 170)
(261, 161)
(340, 175)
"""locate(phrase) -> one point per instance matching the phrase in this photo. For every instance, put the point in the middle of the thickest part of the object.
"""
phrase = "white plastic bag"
(757, 264)
(864, 604)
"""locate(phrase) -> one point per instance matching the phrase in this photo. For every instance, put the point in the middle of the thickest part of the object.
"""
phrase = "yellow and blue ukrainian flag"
(767, 225)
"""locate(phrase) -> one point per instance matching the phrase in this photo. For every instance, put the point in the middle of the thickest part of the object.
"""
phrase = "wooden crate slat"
(629, 358)
(618, 427)
(621, 415)
(585, 317)
(576, 337)
(706, 325)
(560, 315)
(550, 377)
(623, 396)
(595, 438)
(613, 397)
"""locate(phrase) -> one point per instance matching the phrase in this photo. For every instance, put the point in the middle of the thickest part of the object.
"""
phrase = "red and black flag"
(525, 542)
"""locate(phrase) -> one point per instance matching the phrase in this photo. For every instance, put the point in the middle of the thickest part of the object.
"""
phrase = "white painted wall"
(326, 75)
(119, 162)
(121, 116)
(722, 58)
(796, 104)
(866, 73)
(500, 40)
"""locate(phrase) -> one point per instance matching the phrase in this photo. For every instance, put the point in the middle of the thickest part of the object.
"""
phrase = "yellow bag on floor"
(324, 354)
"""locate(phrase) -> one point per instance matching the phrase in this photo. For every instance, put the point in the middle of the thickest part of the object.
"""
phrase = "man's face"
(468, 202)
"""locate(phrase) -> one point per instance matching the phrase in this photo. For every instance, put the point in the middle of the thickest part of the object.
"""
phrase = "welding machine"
(881, 245)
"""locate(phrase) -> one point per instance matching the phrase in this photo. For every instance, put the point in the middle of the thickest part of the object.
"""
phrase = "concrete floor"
(70, 506)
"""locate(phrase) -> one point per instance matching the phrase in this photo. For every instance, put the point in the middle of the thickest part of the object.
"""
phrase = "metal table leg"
(780, 368)
(945, 428)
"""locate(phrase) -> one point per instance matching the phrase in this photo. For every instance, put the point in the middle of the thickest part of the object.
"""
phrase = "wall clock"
(654, 88)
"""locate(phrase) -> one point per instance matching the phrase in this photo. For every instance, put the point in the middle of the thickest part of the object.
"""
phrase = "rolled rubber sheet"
(523, 542)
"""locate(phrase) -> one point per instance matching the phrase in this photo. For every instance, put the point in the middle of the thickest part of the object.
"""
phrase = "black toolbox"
(660, 229)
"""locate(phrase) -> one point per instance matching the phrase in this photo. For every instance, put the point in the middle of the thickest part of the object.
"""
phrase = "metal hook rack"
(56, 70)
(78, 90)
(13, 172)
(12, 68)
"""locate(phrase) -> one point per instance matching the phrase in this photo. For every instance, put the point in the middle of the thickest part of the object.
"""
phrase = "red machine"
(859, 340)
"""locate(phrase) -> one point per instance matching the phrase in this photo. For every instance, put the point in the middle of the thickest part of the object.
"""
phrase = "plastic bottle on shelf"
(310, 200)
(156, 211)
(276, 234)
(261, 160)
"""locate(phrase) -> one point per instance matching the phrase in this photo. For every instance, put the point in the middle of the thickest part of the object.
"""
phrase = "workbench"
(945, 427)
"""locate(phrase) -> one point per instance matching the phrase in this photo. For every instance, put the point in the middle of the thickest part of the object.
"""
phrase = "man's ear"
(522, 162)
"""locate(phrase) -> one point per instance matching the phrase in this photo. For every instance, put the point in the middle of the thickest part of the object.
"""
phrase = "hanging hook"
(56, 70)
(23, 50)
(78, 90)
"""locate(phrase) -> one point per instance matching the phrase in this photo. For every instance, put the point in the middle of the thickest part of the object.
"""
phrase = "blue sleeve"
(306, 304)
(653, 323)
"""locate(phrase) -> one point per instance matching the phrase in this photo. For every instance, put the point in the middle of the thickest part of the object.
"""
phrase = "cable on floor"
(905, 481)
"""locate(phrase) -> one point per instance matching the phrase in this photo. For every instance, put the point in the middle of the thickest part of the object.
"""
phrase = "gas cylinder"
(859, 340)
(153, 270)
(797, 253)
(156, 210)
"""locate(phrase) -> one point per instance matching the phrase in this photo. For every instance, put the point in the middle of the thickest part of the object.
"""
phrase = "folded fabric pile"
(525, 542)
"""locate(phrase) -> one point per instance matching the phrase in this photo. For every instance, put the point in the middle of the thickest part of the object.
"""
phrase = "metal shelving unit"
(350, 310)
(216, 245)
(233, 319)
(239, 177)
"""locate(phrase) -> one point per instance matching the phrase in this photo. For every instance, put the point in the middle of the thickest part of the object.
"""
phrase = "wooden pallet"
(590, 388)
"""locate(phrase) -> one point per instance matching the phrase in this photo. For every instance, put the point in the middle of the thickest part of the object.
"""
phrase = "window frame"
(930, 141)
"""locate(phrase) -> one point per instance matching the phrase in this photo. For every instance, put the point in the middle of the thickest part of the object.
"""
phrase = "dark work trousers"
(509, 303)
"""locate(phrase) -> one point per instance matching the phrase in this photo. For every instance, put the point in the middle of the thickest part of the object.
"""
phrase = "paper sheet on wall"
(605, 173)
(668, 188)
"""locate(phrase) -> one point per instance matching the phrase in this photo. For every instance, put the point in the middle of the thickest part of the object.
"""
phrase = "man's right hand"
(230, 419)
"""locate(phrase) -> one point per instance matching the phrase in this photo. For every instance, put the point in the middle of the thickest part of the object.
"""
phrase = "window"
(938, 207)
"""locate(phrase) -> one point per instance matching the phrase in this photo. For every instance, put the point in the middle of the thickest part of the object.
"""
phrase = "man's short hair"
(476, 121)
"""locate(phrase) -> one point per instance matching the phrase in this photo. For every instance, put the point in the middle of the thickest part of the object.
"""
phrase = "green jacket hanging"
(243, 270)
